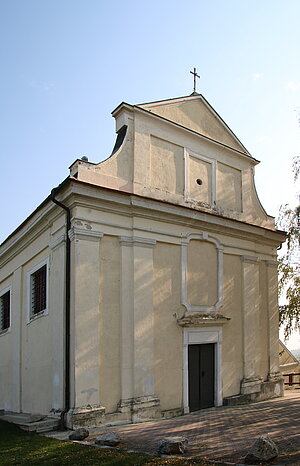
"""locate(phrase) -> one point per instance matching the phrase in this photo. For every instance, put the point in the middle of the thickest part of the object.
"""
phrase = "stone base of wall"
(145, 408)
(257, 391)
(169, 413)
(138, 409)
(141, 408)
(85, 416)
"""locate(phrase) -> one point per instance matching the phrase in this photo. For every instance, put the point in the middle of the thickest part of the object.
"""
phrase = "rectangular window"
(38, 290)
(5, 311)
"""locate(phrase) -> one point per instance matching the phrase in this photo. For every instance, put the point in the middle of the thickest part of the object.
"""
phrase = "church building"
(144, 286)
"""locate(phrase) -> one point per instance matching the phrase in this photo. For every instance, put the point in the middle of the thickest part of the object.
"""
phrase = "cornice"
(76, 233)
(132, 205)
(137, 241)
(75, 193)
(13, 248)
(198, 319)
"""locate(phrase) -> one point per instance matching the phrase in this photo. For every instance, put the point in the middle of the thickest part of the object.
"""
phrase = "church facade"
(144, 286)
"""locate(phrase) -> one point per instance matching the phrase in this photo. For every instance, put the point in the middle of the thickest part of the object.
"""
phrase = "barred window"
(38, 291)
(5, 311)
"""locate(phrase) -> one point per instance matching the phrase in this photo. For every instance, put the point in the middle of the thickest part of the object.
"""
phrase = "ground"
(221, 434)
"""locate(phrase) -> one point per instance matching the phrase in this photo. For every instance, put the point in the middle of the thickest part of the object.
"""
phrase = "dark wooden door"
(201, 360)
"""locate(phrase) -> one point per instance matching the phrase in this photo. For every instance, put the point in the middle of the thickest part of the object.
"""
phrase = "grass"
(19, 448)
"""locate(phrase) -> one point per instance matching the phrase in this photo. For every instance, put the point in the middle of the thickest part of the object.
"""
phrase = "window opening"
(5, 311)
(39, 290)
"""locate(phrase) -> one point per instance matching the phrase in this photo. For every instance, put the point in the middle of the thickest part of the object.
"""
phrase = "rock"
(171, 445)
(263, 450)
(112, 439)
(79, 434)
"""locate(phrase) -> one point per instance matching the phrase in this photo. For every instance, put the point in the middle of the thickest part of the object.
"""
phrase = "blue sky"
(65, 65)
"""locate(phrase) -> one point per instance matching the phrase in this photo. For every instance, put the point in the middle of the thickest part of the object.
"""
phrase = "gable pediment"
(195, 113)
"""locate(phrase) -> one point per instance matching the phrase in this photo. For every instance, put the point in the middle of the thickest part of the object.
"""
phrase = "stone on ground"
(79, 434)
(111, 439)
(173, 445)
(263, 450)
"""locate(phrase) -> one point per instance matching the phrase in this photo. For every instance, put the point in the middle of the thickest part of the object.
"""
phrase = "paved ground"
(222, 434)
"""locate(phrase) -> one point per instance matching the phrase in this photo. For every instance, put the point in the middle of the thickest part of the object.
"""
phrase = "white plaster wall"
(6, 401)
(32, 354)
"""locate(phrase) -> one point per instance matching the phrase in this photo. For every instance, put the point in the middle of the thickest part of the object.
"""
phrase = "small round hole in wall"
(198, 181)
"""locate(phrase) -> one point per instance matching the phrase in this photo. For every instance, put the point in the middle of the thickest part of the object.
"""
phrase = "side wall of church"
(7, 398)
(31, 363)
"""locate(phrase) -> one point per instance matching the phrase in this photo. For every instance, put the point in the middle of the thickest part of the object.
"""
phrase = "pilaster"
(137, 363)
(85, 332)
(272, 287)
(57, 305)
(127, 340)
(251, 382)
(16, 341)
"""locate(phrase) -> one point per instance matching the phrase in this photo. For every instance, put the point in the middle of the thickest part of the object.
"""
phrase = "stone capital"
(76, 233)
(250, 259)
(272, 263)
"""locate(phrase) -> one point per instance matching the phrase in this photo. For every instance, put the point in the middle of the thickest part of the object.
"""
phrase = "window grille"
(5, 311)
(39, 290)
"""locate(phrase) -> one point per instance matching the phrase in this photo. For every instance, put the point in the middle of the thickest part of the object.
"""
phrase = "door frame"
(198, 336)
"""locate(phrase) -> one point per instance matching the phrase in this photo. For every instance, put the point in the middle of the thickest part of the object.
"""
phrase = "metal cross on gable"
(195, 76)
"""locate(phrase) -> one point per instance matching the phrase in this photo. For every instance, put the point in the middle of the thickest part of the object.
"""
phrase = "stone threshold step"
(45, 425)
